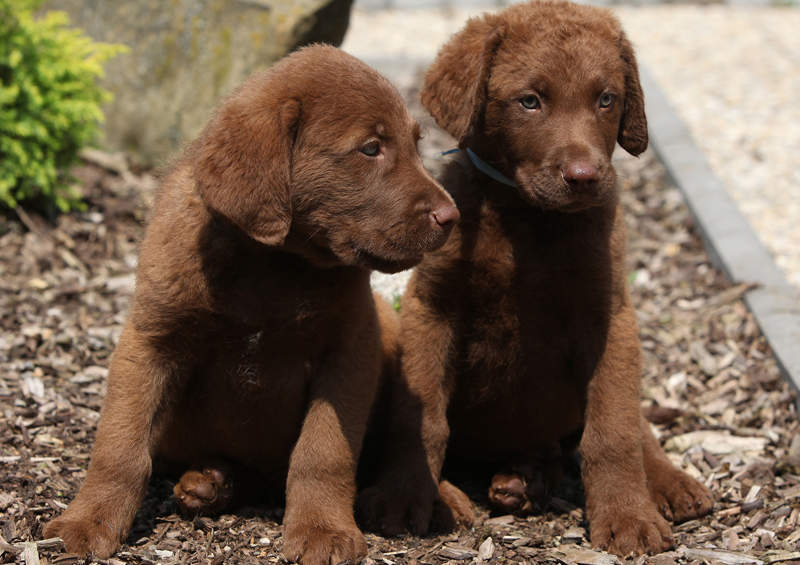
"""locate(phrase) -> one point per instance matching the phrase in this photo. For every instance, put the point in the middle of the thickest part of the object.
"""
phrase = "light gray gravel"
(733, 75)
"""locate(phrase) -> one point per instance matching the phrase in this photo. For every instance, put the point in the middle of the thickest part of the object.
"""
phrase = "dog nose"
(445, 216)
(580, 174)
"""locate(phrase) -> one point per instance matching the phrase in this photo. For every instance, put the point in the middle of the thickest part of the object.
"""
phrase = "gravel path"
(732, 74)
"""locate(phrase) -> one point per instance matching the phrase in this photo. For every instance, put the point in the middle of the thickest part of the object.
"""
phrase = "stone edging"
(729, 239)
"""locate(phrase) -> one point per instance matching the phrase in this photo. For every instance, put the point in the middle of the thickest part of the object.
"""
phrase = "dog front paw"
(678, 496)
(318, 545)
(85, 534)
(630, 529)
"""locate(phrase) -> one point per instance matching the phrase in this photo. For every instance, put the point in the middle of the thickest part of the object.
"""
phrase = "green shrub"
(49, 103)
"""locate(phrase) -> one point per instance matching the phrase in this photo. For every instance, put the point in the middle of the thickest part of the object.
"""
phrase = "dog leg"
(452, 510)
(407, 491)
(320, 489)
(678, 496)
(622, 516)
(99, 518)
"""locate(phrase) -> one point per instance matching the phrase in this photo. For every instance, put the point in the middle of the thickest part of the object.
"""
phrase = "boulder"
(185, 55)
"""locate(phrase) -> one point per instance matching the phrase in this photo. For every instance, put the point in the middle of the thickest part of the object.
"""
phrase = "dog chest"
(532, 327)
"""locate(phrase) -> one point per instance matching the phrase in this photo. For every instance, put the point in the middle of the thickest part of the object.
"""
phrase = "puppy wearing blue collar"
(519, 338)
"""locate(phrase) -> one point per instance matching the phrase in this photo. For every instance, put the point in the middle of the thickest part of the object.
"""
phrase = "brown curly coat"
(253, 348)
(519, 338)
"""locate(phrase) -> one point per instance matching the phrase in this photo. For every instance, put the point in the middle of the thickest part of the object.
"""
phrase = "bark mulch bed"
(711, 387)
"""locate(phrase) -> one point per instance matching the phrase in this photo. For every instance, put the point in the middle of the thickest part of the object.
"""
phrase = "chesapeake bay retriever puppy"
(519, 338)
(253, 348)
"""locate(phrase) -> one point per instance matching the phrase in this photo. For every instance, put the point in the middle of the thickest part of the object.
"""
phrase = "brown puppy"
(519, 338)
(254, 339)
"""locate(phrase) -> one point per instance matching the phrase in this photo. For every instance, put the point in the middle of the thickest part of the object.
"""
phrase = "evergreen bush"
(49, 104)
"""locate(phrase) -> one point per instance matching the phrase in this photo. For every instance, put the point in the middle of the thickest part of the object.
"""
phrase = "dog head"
(542, 91)
(318, 155)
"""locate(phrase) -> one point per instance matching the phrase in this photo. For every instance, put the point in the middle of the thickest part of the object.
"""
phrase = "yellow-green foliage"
(49, 103)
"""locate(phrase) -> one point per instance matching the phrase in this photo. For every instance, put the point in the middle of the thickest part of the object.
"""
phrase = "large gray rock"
(187, 54)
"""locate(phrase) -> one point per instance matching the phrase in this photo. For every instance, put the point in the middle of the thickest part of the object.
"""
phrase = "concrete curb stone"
(729, 239)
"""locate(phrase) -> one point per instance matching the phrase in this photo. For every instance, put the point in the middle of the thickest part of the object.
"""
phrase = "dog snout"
(581, 174)
(435, 205)
(444, 216)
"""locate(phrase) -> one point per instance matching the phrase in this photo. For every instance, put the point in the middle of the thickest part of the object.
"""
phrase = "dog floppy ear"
(456, 84)
(243, 164)
(633, 124)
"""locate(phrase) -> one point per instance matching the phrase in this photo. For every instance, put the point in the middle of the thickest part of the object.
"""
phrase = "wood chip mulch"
(711, 388)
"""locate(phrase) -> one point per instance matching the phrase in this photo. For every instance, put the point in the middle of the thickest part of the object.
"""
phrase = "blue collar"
(485, 167)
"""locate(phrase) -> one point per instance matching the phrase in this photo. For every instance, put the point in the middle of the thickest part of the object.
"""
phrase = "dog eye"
(530, 102)
(371, 148)
(606, 100)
